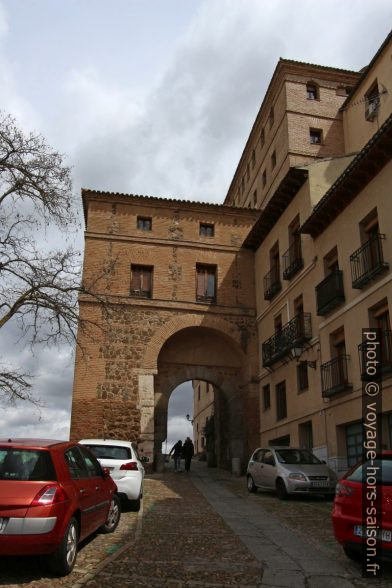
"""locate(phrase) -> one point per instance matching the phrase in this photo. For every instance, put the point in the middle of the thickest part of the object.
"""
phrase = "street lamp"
(296, 353)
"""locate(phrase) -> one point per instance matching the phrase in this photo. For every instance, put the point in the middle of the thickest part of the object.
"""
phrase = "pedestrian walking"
(187, 451)
(177, 451)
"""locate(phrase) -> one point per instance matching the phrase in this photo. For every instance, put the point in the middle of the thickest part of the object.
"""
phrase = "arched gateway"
(180, 306)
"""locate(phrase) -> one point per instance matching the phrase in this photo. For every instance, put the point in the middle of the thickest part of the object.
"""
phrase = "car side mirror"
(106, 472)
(144, 458)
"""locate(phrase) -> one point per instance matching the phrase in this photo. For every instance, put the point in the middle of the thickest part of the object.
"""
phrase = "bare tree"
(38, 288)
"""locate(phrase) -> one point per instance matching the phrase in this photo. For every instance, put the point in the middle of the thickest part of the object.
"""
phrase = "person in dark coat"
(177, 452)
(188, 451)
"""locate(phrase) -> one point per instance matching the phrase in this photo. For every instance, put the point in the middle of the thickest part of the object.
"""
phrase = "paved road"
(204, 529)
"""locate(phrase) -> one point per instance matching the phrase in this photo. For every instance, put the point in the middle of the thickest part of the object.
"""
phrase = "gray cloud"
(181, 134)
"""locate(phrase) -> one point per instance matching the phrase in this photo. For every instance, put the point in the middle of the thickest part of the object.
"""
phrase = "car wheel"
(250, 484)
(63, 559)
(113, 516)
(281, 491)
(354, 554)
(135, 505)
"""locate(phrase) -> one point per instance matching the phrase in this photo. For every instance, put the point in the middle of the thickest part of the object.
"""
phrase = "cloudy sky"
(155, 97)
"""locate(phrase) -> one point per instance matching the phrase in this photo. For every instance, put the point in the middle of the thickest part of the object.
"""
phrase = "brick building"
(253, 296)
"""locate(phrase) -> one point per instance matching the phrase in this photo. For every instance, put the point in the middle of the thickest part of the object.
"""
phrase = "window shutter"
(146, 280)
(201, 289)
(136, 279)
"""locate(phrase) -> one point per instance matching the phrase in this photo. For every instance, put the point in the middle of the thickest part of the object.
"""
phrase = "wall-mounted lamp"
(296, 353)
(188, 418)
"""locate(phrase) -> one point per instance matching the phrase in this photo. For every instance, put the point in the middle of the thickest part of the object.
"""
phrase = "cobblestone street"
(204, 529)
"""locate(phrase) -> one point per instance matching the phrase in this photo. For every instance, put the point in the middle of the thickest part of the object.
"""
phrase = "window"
(93, 467)
(253, 158)
(206, 230)
(264, 178)
(315, 136)
(331, 263)
(312, 91)
(271, 117)
(343, 91)
(262, 138)
(281, 405)
(266, 397)
(372, 102)
(144, 223)
(255, 198)
(354, 443)
(141, 281)
(247, 172)
(206, 283)
(302, 376)
(268, 458)
(273, 159)
(243, 185)
(76, 464)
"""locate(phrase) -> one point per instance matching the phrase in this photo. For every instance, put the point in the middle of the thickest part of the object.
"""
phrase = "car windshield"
(111, 452)
(296, 456)
(384, 471)
(26, 464)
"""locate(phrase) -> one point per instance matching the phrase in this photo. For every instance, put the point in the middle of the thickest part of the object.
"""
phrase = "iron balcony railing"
(367, 261)
(292, 334)
(330, 292)
(272, 283)
(384, 354)
(334, 376)
(292, 260)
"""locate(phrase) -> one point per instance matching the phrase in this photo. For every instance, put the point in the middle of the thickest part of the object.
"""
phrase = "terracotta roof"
(317, 66)
(363, 168)
(283, 195)
(160, 200)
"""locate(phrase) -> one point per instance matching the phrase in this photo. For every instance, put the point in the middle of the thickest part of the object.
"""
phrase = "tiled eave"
(363, 168)
(88, 194)
(287, 189)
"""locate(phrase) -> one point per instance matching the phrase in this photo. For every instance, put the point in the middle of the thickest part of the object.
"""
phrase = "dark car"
(53, 494)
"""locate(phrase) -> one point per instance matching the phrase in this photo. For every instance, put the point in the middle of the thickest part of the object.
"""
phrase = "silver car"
(289, 470)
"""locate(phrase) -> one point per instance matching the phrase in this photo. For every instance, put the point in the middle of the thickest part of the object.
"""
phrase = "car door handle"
(97, 487)
(82, 491)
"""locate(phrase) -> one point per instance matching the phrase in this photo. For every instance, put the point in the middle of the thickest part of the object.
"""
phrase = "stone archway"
(203, 353)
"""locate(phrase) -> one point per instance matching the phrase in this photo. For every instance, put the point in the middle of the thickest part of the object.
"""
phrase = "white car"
(124, 463)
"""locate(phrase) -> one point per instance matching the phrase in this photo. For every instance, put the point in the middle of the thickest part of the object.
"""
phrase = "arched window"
(312, 91)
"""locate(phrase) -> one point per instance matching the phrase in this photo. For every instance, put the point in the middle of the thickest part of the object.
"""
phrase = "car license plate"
(382, 535)
(320, 484)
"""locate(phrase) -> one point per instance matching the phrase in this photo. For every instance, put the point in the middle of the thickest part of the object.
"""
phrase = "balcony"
(330, 292)
(272, 283)
(292, 260)
(293, 334)
(367, 262)
(386, 356)
(334, 376)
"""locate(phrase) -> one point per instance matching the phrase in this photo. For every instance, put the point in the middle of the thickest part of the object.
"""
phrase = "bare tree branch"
(38, 289)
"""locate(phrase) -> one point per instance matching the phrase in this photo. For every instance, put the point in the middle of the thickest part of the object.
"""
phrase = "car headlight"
(297, 476)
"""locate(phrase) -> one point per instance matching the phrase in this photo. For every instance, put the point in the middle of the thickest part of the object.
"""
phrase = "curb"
(102, 565)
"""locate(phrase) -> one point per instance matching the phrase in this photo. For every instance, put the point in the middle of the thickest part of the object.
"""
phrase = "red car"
(347, 516)
(53, 494)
